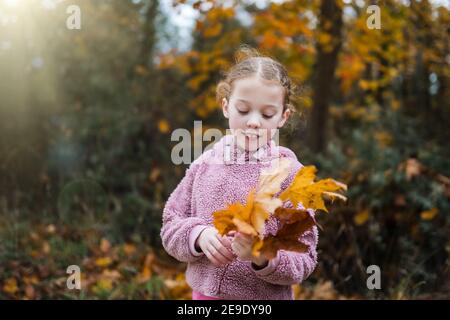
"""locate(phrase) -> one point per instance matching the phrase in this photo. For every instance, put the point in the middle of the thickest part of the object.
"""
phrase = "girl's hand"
(216, 248)
(242, 247)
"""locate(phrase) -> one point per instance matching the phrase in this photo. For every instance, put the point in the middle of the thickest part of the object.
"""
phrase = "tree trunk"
(149, 42)
(323, 78)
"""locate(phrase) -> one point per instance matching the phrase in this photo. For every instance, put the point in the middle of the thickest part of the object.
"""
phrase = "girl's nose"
(253, 122)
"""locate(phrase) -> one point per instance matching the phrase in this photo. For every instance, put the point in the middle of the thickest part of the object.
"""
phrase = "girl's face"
(255, 111)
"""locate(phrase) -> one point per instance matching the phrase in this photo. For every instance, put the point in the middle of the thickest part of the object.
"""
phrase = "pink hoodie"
(217, 178)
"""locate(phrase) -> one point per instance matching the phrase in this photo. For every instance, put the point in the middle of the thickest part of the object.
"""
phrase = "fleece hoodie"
(220, 176)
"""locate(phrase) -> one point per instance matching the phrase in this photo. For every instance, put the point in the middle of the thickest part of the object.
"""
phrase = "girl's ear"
(225, 108)
(286, 115)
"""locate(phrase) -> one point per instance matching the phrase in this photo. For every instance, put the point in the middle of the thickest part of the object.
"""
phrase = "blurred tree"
(328, 44)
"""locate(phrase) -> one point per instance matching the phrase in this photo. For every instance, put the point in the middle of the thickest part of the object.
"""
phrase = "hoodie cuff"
(271, 267)
(193, 237)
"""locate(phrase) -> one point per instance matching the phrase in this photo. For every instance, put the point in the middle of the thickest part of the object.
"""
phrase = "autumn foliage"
(85, 141)
(262, 203)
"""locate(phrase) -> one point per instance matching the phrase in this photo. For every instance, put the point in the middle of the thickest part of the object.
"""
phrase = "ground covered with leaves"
(37, 269)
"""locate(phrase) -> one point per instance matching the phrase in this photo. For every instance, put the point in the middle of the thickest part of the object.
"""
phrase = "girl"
(255, 98)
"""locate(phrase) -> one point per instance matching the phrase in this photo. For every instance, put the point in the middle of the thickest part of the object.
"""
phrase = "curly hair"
(250, 62)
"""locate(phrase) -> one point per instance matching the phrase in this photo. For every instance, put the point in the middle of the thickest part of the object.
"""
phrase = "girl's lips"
(251, 135)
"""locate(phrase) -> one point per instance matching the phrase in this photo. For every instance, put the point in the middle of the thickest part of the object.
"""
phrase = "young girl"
(255, 98)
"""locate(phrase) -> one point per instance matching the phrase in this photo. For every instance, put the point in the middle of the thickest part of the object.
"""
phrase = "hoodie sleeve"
(290, 267)
(180, 226)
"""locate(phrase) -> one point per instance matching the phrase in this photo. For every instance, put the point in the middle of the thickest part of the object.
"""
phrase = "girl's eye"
(241, 108)
(265, 116)
(242, 112)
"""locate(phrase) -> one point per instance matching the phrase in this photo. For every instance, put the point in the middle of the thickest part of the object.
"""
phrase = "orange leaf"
(361, 217)
(236, 217)
(46, 247)
(103, 262)
(129, 249)
(10, 286)
(163, 126)
(30, 293)
(294, 223)
(105, 245)
(250, 219)
(429, 214)
(213, 31)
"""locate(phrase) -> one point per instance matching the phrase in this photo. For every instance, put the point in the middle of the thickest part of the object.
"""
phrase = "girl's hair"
(250, 62)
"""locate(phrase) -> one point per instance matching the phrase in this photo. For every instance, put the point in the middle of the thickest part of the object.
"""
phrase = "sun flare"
(12, 3)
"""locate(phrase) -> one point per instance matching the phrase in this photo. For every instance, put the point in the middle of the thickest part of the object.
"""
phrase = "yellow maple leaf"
(309, 193)
(251, 217)
(269, 184)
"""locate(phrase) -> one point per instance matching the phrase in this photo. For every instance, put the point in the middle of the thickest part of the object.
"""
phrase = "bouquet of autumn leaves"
(261, 204)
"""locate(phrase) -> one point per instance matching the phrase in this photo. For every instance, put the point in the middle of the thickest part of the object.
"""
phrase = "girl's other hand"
(216, 248)
(242, 247)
